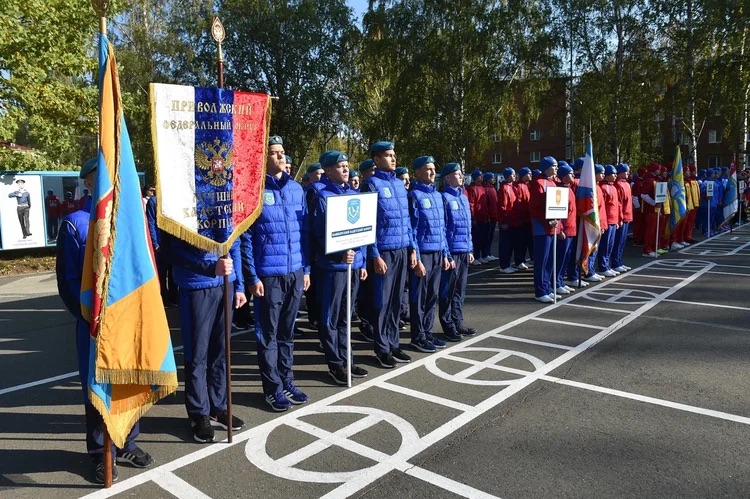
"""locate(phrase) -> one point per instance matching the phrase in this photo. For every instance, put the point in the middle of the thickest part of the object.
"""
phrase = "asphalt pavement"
(634, 387)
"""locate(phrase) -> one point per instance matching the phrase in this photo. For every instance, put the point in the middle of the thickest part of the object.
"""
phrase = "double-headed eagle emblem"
(215, 162)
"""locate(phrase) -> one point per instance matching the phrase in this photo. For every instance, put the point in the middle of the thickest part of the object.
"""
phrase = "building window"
(495, 138)
(535, 135)
(534, 157)
(714, 161)
(714, 137)
(497, 158)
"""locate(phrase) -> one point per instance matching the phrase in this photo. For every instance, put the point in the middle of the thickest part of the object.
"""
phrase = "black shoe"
(452, 336)
(386, 360)
(425, 346)
(466, 331)
(367, 332)
(137, 457)
(359, 372)
(400, 356)
(221, 419)
(99, 471)
(339, 376)
(203, 432)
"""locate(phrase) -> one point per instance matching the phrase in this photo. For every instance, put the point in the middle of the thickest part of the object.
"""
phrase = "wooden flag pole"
(217, 32)
(101, 7)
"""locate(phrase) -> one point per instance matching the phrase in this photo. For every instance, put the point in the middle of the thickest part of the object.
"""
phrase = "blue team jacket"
(457, 220)
(427, 218)
(394, 227)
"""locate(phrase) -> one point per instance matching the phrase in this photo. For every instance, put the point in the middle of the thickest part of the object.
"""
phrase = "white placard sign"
(661, 192)
(709, 188)
(350, 221)
(557, 203)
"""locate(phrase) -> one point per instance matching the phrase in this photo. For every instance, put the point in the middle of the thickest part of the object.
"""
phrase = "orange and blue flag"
(677, 193)
(587, 207)
(131, 364)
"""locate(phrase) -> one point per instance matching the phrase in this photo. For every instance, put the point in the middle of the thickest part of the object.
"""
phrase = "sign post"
(355, 230)
(659, 197)
(556, 208)
(709, 195)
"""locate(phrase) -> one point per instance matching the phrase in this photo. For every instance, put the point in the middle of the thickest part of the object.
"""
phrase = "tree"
(47, 95)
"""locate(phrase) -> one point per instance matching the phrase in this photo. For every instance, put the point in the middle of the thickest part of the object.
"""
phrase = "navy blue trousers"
(489, 235)
(621, 237)
(275, 313)
(94, 421)
(506, 242)
(573, 271)
(202, 326)
(565, 252)
(478, 236)
(365, 297)
(423, 296)
(543, 247)
(606, 246)
(525, 244)
(453, 293)
(387, 291)
(332, 286)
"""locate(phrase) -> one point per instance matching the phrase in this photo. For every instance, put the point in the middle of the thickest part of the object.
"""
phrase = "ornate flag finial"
(100, 7)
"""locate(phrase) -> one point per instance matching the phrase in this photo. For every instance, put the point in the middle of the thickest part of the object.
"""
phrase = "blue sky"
(359, 6)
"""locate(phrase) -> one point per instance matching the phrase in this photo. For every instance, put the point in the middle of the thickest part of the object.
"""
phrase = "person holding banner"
(71, 246)
(428, 226)
(275, 262)
(544, 231)
(568, 231)
(390, 255)
(332, 272)
(460, 246)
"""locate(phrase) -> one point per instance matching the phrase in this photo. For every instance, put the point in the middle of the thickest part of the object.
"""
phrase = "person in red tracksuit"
(567, 232)
(592, 276)
(53, 209)
(490, 193)
(544, 231)
(613, 213)
(648, 203)
(68, 204)
(525, 235)
(625, 196)
(509, 218)
(478, 207)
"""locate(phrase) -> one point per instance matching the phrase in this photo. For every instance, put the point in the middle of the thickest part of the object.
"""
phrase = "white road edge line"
(179, 487)
(566, 323)
(534, 342)
(650, 400)
(458, 488)
(459, 406)
(711, 305)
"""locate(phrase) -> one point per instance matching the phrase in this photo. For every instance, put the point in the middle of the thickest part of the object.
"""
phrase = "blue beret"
(50, 192)
(314, 167)
(598, 168)
(275, 140)
(562, 163)
(546, 162)
(702, 171)
(421, 161)
(578, 164)
(89, 166)
(450, 168)
(610, 170)
(289, 160)
(68, 195)
(507, 172)
(476, 173)
(354, 174)
(725, 169)
(622, 168)
(525, 170)
(401, 171)
(487, 176)
(366, 165)
(330, 158)
(306, 177)
(564, 170)
(381, 146)
(536, 171)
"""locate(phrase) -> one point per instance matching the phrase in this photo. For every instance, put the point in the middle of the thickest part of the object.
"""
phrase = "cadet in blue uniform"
(332, 271)
(275, 263)
(428, 226)
(394, 247)
(71, 249)
(315, 175)
(364, 297)
(458, 236)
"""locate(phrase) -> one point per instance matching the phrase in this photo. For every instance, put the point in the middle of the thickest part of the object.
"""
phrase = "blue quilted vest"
(457, 221)
(427, 217)
(394, 227)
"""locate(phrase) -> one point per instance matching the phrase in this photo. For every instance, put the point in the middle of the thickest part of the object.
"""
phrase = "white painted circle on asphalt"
(492, 363)
(624, 296)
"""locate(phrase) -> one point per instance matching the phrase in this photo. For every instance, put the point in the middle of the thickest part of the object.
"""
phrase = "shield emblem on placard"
(558, 197)
(352, 210)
